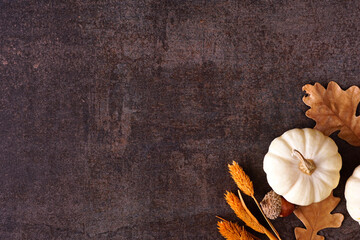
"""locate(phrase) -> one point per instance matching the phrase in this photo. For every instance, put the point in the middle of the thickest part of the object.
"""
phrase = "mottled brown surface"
(118, 118)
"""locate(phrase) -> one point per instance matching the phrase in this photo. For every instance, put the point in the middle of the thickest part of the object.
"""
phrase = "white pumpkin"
(303, 165)
(352, 196)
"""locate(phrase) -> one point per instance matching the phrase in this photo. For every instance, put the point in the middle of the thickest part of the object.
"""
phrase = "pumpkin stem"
(307, 166)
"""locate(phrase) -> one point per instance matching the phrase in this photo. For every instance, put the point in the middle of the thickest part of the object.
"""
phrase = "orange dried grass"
(241, 179)
(232, 231)
(246, 186)
(246, 216)
(241, 212)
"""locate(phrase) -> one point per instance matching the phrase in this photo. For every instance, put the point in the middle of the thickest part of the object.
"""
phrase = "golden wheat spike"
(245, 215)
(241, 212)
(241, 179)
(232, 231)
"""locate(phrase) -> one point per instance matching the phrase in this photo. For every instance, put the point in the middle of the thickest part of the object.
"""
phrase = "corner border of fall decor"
(230, 230)
(332, 109)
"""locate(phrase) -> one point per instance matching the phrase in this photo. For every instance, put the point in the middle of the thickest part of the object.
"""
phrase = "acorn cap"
(271, 205)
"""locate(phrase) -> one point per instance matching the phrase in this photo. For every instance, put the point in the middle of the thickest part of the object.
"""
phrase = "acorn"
(274, 206)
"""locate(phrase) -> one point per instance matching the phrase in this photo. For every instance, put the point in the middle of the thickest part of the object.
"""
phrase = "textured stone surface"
(118, 118)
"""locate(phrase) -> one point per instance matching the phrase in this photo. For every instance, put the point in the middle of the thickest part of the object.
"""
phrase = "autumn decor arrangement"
(302, 167)
(237, 204)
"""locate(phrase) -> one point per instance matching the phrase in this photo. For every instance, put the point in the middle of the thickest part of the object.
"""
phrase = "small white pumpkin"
(303, 165)
(352, 196)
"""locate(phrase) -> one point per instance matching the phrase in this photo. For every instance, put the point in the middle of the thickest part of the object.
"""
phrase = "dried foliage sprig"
(246, 186)
(232, 231)
(241, 179)
(318, 216)
(334, 109)
(237, 204)
(242, 212)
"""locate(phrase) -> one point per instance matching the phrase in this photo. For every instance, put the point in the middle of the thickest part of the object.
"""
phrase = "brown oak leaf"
(316, 217)
(334, 109)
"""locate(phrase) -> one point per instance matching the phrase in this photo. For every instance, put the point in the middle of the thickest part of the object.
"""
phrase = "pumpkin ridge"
(329, 165)
(320, 137)
(321, 175)
(284, 141)
(332, 171)
(304, 142)
(324, 183)
(329, 149)
(308, 151)
(289, 140)
(302, 180)
(289, 160)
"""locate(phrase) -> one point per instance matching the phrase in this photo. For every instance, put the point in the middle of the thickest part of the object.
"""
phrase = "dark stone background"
(118, 118)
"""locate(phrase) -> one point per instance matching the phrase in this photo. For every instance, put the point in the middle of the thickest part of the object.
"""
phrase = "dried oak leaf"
(316, 217)
(334, 109)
